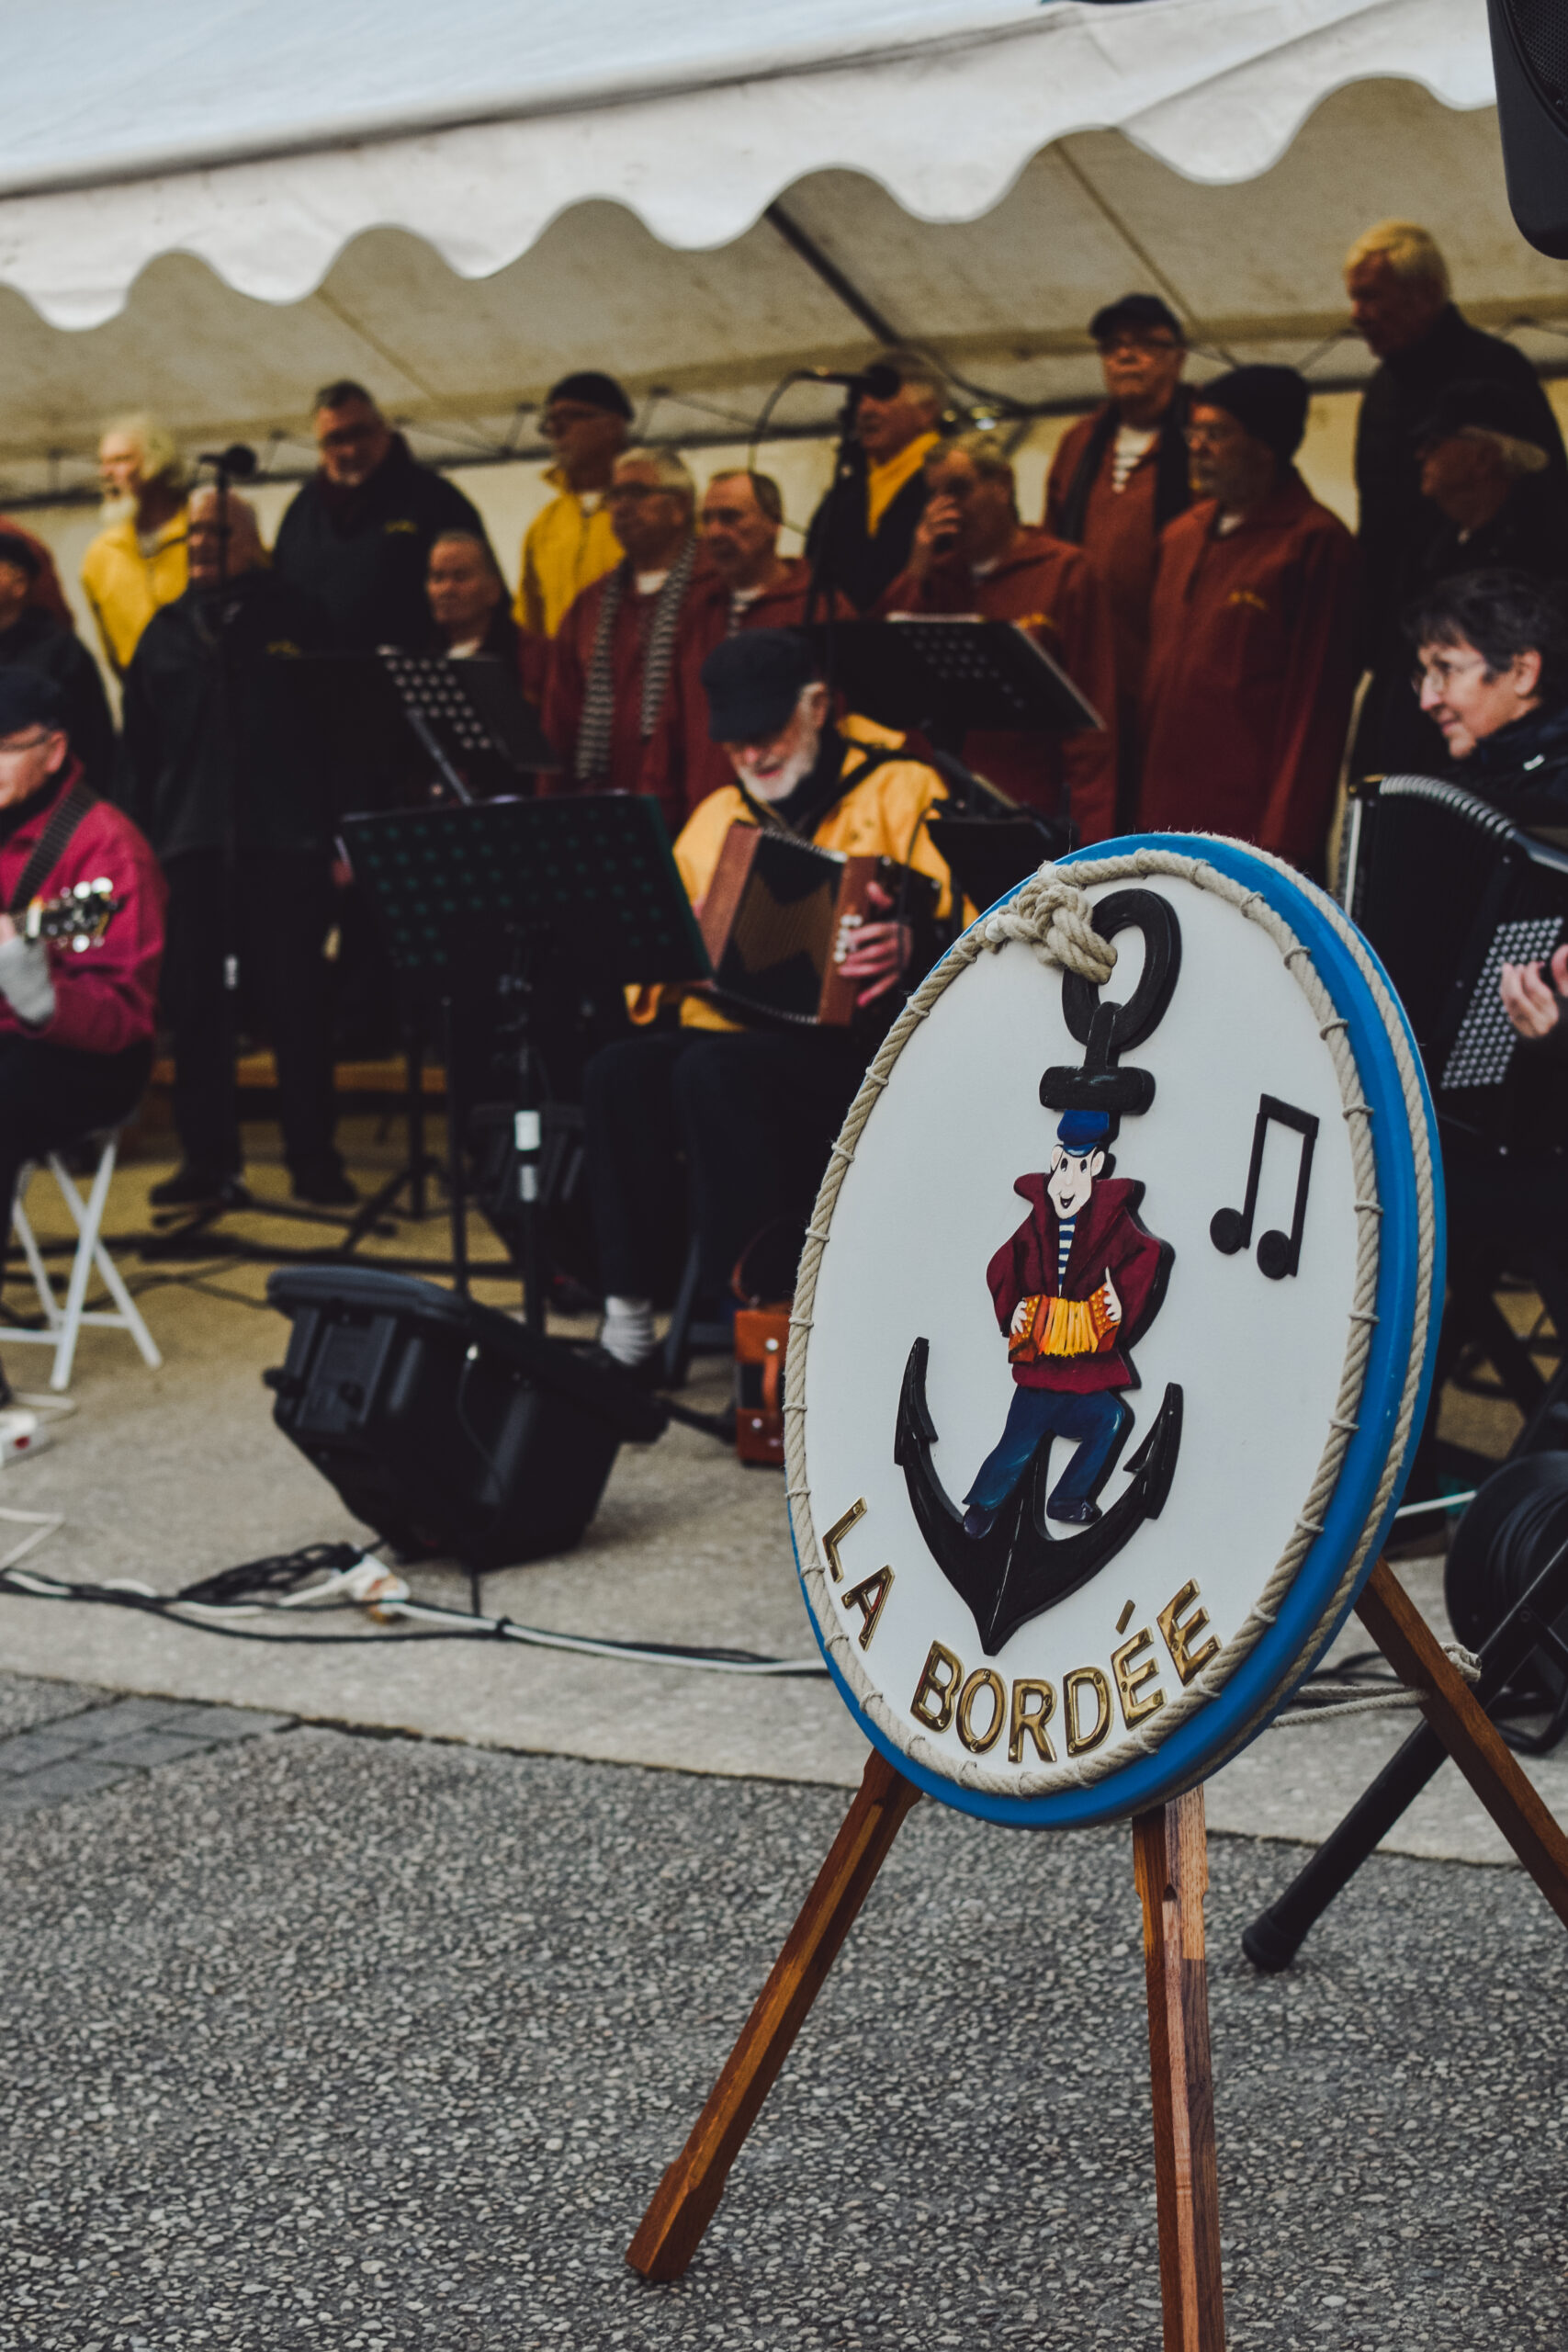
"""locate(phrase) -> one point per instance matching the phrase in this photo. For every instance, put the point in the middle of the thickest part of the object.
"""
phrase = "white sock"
(627, 1334)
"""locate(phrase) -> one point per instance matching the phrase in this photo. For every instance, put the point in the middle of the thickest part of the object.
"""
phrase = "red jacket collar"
(1110, 1195)
(1285, 505)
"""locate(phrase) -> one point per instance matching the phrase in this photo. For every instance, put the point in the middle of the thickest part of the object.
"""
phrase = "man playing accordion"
(748, 1103)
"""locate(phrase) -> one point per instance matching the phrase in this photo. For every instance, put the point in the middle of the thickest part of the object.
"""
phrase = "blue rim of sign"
(1264, 1680)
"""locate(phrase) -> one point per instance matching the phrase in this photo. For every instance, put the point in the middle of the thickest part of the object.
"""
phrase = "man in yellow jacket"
(137, 562)
(570, 544)
(751, 1109)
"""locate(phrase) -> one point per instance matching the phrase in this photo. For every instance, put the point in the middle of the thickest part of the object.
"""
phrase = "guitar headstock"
(81, 914)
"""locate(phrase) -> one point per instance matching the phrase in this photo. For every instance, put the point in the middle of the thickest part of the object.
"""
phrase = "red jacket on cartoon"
(106, 995)
(1107, 1240)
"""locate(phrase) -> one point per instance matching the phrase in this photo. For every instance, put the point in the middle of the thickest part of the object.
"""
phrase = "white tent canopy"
(230, 202)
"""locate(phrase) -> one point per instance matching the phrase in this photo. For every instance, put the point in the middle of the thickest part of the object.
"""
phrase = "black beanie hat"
(1268, 402)
(595, 390)
(29, 700)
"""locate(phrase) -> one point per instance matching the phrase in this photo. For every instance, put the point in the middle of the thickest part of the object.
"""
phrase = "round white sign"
(1113, 1332)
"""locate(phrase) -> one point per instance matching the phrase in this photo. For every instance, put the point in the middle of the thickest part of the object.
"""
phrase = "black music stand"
(951, 674)
(403, 728)
(578, 887)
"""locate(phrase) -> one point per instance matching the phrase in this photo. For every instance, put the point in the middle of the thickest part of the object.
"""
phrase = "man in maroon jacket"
(1251, 632)
(76, 1024)
(1117, 479)
(971, 554)
(1079, 1280)
(746, 585)
(611, 656)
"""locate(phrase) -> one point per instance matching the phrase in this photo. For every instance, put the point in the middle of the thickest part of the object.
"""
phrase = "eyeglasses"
(1137, 345)
(1440, 674)
(619, 493)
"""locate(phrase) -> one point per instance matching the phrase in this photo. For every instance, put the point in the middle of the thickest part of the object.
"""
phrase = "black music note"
(1279, 1254)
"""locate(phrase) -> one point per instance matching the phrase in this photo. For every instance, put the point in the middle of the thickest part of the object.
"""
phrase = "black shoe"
(649, 1374)
(978, 1522)
(326, 1187)
(1082, 1514)
(190, 1188)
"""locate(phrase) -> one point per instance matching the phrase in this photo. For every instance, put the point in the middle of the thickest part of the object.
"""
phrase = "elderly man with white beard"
(750, 1110)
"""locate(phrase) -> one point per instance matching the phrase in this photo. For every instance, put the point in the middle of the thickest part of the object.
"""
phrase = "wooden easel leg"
(1171, 1859)
(688, 2195)
(1400, 1630)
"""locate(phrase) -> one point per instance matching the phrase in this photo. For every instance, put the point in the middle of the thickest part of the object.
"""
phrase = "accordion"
(1447, 889)
(780, 916)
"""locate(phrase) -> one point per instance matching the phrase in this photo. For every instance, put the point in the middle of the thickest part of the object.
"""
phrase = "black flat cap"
(29, 700)
(1136, 311)
(753, 681)
(1498, 408)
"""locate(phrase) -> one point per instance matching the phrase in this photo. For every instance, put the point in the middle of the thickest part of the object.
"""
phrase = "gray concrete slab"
(316, 2041)
(167, 1475)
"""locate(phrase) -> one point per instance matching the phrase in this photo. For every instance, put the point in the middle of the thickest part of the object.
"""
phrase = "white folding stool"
(61, 1323)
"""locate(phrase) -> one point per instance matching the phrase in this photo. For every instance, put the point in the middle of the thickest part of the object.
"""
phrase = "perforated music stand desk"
(580, 886)
(394, 722)
(951, 674)
(591, 881)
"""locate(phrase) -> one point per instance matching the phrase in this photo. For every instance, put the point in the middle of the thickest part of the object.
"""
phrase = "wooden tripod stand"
(1170, 1863)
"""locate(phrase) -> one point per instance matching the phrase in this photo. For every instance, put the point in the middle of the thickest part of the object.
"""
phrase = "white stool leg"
(130, 1314)
(87, 1216)
(22, 1225)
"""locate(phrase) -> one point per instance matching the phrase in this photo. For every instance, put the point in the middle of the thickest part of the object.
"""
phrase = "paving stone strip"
(76, 1754)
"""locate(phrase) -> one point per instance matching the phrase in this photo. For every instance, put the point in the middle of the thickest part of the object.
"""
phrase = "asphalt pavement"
(322, 2040)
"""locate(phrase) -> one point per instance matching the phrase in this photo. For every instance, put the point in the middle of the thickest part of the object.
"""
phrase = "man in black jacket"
(32, 638)
(225, 772)
(864, 527)
(1400, 305)
(1483, 474)
(357, 538)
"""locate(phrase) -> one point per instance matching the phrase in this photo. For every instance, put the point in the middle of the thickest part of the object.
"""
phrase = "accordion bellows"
(1061, 1327)
(776, 920)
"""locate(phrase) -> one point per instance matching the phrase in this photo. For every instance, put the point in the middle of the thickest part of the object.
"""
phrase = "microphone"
(877, 382)
(238, 462)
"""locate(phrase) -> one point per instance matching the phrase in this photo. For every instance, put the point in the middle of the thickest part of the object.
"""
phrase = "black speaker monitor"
(1529, 56)
(446, 1426)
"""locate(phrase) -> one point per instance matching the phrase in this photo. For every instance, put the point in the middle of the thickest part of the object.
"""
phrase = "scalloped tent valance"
(207, 210)
(264, 136)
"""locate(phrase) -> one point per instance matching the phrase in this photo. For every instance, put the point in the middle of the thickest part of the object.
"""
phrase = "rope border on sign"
(1052, 915)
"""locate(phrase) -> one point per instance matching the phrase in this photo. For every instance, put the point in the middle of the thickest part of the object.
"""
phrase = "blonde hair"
(1410, 251)
(244, 524)
(1520, 456)
(161, 458)
(985, 453)
(669, 471)
(914, 372)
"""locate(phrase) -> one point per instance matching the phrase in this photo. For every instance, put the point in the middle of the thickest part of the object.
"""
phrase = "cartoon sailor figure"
(1079, 1281)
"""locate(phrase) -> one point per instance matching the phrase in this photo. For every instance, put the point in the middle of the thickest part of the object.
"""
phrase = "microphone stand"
(847, 479)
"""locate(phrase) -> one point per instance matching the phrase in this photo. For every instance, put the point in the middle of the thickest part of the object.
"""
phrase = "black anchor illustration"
(1016, 1569)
